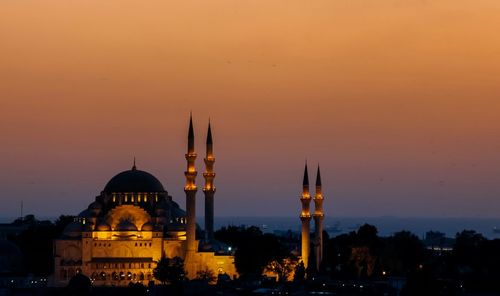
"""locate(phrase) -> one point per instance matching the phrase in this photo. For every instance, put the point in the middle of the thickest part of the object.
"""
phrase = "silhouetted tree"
(401, 253)
(300, 272)
(79, 285)
(62, 222)
(468, 248)
(170, 270)
(206, 275)
(36, 244)
(253, 248)
(282, 268)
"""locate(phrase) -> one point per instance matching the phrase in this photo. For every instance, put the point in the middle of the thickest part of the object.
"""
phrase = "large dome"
(133, 180)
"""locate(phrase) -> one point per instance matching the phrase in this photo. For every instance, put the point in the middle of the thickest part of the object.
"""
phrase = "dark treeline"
(470, 266)
(36, 243)
(362, 255)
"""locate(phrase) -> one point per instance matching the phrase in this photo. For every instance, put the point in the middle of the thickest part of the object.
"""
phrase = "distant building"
(438, 243)
(133, 223)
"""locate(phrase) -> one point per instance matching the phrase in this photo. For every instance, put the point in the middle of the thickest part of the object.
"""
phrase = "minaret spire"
(318, 177)
(134, 167)
(305, 217)
(190, 190)
(305, 181)
(191, 134)
(318, 220)
(209, 188)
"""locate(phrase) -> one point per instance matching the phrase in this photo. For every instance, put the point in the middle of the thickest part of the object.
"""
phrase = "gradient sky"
(399, 100)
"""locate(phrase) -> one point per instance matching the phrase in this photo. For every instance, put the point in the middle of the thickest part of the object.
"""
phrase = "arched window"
(114, 276)
(103, 276)
(129, 276)
(122, 276)
(141, 276)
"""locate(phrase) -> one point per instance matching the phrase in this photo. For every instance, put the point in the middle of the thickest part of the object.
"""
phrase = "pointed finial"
(209, 133)
(191, 134)
(134, 167)
(318, 177)
(306, 176)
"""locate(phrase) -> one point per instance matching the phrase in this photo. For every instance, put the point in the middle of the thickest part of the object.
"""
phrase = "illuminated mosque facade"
(134, 222)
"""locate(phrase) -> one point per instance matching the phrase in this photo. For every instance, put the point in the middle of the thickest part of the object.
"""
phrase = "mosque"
(134, 222)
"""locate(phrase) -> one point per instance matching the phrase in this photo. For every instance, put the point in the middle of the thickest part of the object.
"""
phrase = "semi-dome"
(134, 180)
(126, 225)
(147, 226)
(103, 227)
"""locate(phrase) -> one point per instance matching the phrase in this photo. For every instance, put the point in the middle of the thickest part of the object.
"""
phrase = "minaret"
(318, 221)
(209, 189)
(305, 217)
(190, 190)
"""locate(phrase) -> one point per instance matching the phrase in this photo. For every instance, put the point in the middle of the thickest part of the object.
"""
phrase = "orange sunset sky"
(399, 101)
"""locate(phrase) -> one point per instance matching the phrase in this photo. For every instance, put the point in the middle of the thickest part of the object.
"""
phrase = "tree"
(468, 248)
(363, 261)
(170, 270)
(79, 285)
(300, 272)
(206, 275)
(402, 253)
(282, 268)
(36, 244)
(253, 248)
(62, 222)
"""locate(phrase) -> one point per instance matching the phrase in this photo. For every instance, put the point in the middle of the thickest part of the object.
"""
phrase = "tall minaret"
(318, 221)
(190, 190)
(209, 188)
(305, 217)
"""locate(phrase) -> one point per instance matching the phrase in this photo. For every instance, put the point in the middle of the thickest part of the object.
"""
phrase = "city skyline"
(398, 102)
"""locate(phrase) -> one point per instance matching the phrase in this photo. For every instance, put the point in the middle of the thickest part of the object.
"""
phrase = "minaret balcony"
(190, 188)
